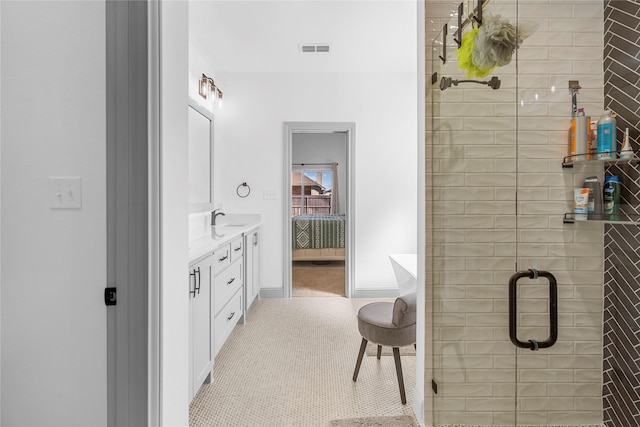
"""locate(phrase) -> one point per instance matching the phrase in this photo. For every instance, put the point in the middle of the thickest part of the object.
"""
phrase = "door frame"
(291, 128)
(132, 87)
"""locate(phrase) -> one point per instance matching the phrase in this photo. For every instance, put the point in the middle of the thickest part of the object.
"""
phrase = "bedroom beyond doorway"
(318, 278)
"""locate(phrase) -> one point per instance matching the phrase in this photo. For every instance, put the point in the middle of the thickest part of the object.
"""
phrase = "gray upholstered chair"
(390, 324)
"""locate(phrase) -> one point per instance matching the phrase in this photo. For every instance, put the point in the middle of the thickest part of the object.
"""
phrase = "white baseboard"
(359, 293)
(272, 293)
(377, 293)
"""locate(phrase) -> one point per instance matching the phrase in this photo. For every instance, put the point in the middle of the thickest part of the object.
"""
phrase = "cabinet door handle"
(231, 316)
(237, 249)
(231, 281)
(223, 258)
(192, 274)
(199, 280)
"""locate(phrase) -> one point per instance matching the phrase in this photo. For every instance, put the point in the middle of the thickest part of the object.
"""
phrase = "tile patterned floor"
(291, 365)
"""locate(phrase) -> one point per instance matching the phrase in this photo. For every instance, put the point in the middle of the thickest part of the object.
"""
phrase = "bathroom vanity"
(224, 279)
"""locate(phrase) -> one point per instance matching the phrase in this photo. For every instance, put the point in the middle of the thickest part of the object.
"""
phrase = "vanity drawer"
(226, 284)
(227, 319)
(236, 249)
(221, 258)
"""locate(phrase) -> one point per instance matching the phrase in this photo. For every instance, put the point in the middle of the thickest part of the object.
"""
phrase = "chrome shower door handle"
(532, 344)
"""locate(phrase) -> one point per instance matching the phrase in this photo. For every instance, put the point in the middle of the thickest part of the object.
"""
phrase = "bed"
(318, 237)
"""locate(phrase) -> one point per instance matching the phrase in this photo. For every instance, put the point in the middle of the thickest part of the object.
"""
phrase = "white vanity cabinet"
(252, 266)
(227, 306)
(200, 356)
(224, 272)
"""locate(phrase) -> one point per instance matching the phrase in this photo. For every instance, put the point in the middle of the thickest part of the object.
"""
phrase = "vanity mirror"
(200, 158)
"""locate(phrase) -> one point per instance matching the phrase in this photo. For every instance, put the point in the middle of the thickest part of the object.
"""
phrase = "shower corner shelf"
(622, 218)
(571, 160)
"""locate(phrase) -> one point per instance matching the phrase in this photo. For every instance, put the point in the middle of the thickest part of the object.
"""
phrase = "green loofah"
(465, 56)
(492, 45)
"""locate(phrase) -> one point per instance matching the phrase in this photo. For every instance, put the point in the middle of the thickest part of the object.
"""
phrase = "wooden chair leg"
(396, 358)
(363, 346)
(379, 352)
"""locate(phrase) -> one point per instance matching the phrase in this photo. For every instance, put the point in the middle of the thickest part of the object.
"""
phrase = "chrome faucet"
(214, 215)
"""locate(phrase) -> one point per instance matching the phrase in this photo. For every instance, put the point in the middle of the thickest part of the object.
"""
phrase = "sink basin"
(231, 225)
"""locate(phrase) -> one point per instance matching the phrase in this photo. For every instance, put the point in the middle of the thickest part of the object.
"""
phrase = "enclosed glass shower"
(517, 336)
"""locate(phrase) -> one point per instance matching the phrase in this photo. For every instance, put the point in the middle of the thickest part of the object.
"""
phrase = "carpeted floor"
(311, 279)
(397, 421)
(291, 365)
(372, 350)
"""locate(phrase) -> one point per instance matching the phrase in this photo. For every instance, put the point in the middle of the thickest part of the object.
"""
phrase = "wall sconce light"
(208, 88)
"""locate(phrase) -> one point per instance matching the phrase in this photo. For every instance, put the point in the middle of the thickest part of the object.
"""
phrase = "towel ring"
(243, 190)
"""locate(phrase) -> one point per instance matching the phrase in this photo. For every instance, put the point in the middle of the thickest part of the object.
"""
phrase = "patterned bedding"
(318, 231)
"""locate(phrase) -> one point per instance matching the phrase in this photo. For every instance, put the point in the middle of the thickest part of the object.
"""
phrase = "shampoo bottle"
(607, 143)
(582, 134)
(573, 152)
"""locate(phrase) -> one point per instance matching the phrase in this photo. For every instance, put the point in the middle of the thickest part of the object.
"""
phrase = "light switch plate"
(65, 192)
(270, 195)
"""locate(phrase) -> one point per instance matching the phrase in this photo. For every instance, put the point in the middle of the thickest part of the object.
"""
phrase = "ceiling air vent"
(314, 48)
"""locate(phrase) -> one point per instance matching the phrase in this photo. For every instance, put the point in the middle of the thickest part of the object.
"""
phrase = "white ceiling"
(263, 35)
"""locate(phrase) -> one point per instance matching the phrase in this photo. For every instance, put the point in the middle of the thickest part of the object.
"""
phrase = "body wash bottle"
(626, 152)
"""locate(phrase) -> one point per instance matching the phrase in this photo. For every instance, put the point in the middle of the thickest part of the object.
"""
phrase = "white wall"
(174, 212)
(324, 148)
(0, 226)
(250, 148)
(423, 322)
(53, 261)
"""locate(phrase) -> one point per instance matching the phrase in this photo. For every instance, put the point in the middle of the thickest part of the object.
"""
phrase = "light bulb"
(203, 90)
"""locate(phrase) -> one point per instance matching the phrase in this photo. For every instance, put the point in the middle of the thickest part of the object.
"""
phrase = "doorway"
(319, 189)
(318, 214)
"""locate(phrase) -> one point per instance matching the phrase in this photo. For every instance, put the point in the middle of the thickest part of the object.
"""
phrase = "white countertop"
(229, 228)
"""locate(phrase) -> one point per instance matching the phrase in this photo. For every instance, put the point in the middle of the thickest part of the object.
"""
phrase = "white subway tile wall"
(499, 196)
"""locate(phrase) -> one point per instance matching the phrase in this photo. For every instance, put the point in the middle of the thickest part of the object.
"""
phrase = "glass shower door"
(561, 384)
(474, 239)
(499, 198)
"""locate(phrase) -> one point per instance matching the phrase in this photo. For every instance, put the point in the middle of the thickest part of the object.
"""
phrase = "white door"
(54, 358)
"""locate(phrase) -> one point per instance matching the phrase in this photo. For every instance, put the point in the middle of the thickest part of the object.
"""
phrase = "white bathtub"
(405, 267)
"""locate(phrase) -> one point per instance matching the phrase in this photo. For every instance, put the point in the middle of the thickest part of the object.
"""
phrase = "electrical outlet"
(65, 192)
